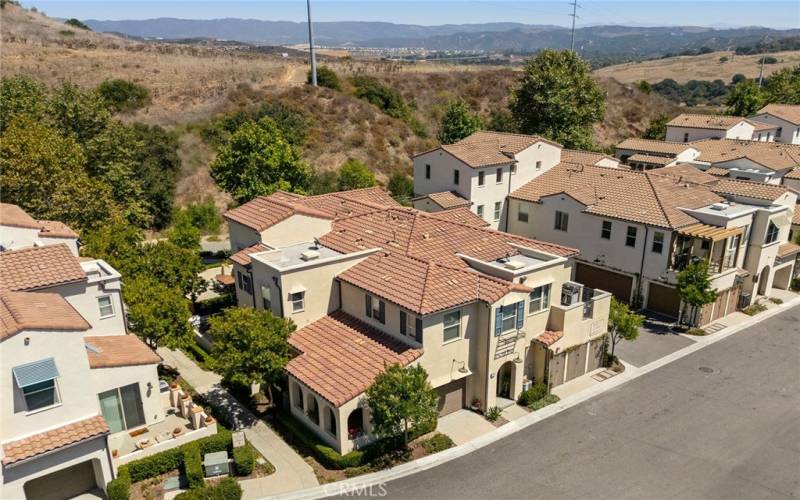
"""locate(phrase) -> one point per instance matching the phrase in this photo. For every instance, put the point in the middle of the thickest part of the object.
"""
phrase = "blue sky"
(716, 13)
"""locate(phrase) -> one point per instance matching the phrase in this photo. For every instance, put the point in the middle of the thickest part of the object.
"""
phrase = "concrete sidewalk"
(291, 471)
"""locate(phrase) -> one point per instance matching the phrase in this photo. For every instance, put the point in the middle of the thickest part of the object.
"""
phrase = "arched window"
(312, 410)
(331, 421)
(355, 423)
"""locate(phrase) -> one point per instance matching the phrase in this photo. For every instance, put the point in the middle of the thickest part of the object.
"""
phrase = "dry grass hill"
(190, 84)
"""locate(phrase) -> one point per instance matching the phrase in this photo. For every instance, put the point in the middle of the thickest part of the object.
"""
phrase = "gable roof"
(487, 148)
(772, 155)
(43, 442)
(718, 171)
(109, 351)
(242, 257)
(796, 215)
(461, 215)
(39, 267)
(644, 197)
(21, 311)
(655, 160)
(748, 189)
(13, 215)
(686, 172)
(506, 141)
(654, 146)
(793, 174)
(341, 356)
(448, 199)
(787, 112)
(584, 157)
(712, 122)
(56, 229)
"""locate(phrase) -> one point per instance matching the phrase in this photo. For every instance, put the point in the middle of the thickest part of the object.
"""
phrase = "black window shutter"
(418, 329)
(520, 314)
(368, 305)
(382, 311)
(403, 323)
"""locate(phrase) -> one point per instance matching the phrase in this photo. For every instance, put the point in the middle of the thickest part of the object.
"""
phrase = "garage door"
(556, 376)
(663, 300)
(594, 277)
(595, 354)
(576, 362)
(451, 396)
(66, 483)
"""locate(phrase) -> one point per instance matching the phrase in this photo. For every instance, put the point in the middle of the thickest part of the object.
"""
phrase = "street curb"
(373, 482)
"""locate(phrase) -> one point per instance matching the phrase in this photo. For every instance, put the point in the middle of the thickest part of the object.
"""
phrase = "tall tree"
(401, 187)
(79, 113)
(400, 399)
(21, 95)
(783, 87)
(174, 266)
(623, 324)
(745, 99)
(258, 160)
(354, 174)
(458, 122)
(250, 346)
(157, 313)
(657, 129)
(558, 99)
(694, 288)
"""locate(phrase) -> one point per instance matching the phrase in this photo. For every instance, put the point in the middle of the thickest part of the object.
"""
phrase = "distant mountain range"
(501, 37)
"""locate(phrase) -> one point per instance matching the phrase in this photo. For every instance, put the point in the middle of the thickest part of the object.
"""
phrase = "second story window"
(298, 300)
(411, 326)
(539, 299)
(499, 175)
(605, 232)
(562, 221)
(266, 297)
(772, 233)
(778, 132)
(538, 165)
(456, 173)
(480, 210)
(522, 212)
(481, 178)
(106, 306)
(375, 308)
(509, 316)
(244, 282)
(630, 237)
(658, 242)
(41, 395)
(497, 209)
(427, 171)
(37, 381)
(686, 137)
(452, 326)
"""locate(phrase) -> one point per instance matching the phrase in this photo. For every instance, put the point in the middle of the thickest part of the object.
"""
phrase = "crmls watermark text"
(356, 490)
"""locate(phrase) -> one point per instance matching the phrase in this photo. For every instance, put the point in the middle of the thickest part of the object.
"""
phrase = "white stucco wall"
(295, 229)
(742, 130)
(790, 132)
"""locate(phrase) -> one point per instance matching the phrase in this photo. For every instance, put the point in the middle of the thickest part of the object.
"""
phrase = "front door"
(504, 381)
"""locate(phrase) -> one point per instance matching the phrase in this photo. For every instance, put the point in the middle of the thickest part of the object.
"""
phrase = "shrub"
(493, 413)
(357, 471)
(401, 187)
(535, 393)
(123, 95)
(227, 489)
(545, 401)
(326, 77)
(214, 305)
(770, 60)
(244, 458)
(437, 443)
(193, 466)
(169, 460)
(699, 332)
(754, 309)
(120, 488)
(202, 215)
(388, 100)
(78, 24)
(776, 300)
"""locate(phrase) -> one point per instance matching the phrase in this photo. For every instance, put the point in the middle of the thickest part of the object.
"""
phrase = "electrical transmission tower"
(313, 56)
(574, 16)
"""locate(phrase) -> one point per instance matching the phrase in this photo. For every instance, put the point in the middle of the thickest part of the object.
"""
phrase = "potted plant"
(173, 385)
(475, 405)
(177, 431)
(114, 453)
(209, 419)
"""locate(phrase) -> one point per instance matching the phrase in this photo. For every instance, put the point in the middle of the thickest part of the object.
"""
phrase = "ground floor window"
(331, 422)
(355, 423)
(122, 407)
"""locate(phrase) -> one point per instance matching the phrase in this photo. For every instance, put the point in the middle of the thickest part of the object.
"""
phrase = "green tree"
(123, 95)
(21, 95)
(457, 123)
(353, 174)
(501, 120)
(157, 313)
(250, 346)
(645, 86)
(326, 77)
(694, 288)
(558, 99)
(783, 87)
(77, 24)
(157, 165)
(745, 99)
(323, 182)
(400, 399)
(79, 113)
(657, 129)
(184, 235)
(623, 324)
(387, 99)
(401, 187)
(258, 160)
(174, 266)
(116, 242)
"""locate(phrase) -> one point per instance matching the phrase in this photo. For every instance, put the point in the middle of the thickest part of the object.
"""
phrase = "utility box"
(216, 464)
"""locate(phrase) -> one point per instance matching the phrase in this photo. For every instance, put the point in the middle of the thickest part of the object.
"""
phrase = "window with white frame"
(658, 242)
(480, 210)
(509, 316)
(562, 221)
(499, 175)
(105, 305)
(630, 237)
(41, 395)
(539, 299)
(772, 233)
(298, 301)
(481, 178)
(522, 212)
(266, 297)
(605, 232)
(497, 209)
(452, 326)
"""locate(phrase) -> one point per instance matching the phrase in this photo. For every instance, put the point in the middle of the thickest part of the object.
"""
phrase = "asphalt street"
(721, 423)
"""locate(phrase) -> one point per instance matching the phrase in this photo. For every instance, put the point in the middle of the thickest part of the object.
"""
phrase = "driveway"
(720, 423)
(655, 341)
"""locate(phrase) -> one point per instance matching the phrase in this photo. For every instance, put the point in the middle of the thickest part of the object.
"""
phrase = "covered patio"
(718, 246)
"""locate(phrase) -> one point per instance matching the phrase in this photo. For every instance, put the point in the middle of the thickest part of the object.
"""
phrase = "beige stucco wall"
(442, 166)
(295, 229)
(241, 236)
(426, 205)
(105, 379)
(84, 296)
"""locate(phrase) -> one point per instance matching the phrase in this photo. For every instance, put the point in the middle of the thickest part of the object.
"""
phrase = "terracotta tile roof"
(266, 211)
(653, 146)
(793, 174)
(118, 350)
(12, 215)
(242, 257)
(29, 447)
(644, 197)
(56, 229)
(787, 112)
(686, 172)
(37, 311)
(486, 148)
(645, 158)
(462, 215)
(761, 126)
(757, 190)
(449, 199)
(584, 157)
(787, 249)
(549, 338)
(772, 155)
(718, 171)
(39, 267)
(796, 217)
(341, 356)
(713, 122)
(506, 141)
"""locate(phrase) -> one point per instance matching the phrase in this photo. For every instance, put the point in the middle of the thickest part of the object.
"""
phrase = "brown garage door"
(66, 483)
(594, 277)
(451, 396)
(556, 373)
(576, 364)
(663, 300)
(595, 354)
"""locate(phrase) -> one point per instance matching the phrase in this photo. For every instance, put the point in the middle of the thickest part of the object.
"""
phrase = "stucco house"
(637, 230)
(688, 127)
(786, 119)
(372, 283)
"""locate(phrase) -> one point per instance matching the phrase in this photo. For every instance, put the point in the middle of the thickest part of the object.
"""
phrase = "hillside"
(702, 67)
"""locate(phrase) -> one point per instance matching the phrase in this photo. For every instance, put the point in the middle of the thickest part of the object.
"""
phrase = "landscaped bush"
(244, 458)
(535, 393)
(437, 443)
(193, 466)
(493, 413)
(120, 488)
(123, 95)
(202, 215)
(214, 305)
(776, 300)
(754, 309)
(169, 460)
(227, 489)
(696, 331)
(545, 401)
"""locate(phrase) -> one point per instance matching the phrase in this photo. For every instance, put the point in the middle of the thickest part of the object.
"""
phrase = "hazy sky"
(717, 13)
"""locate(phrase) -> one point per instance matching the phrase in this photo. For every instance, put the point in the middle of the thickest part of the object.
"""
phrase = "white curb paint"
(373, 482)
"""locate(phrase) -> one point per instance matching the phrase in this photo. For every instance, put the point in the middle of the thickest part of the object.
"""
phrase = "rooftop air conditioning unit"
(570, 293)
(309, 255)
(719, 206)
(514, 265)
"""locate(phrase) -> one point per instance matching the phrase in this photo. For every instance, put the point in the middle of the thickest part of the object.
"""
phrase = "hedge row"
(227, 489)
(120, 488)
(244, 459)
(193, 467)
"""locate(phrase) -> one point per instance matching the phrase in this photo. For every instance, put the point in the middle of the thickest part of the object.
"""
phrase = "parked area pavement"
(464, 425)
(655, 341)
(580, 384)
(291, 471)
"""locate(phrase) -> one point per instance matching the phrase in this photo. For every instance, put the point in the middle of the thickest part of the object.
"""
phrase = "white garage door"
(66, 483)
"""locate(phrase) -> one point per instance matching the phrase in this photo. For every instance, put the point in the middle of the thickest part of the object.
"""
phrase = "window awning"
(297, 289)
(35, 373)
(708, 232)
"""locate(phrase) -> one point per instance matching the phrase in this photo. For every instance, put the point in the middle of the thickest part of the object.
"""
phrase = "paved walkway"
(291, 471)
